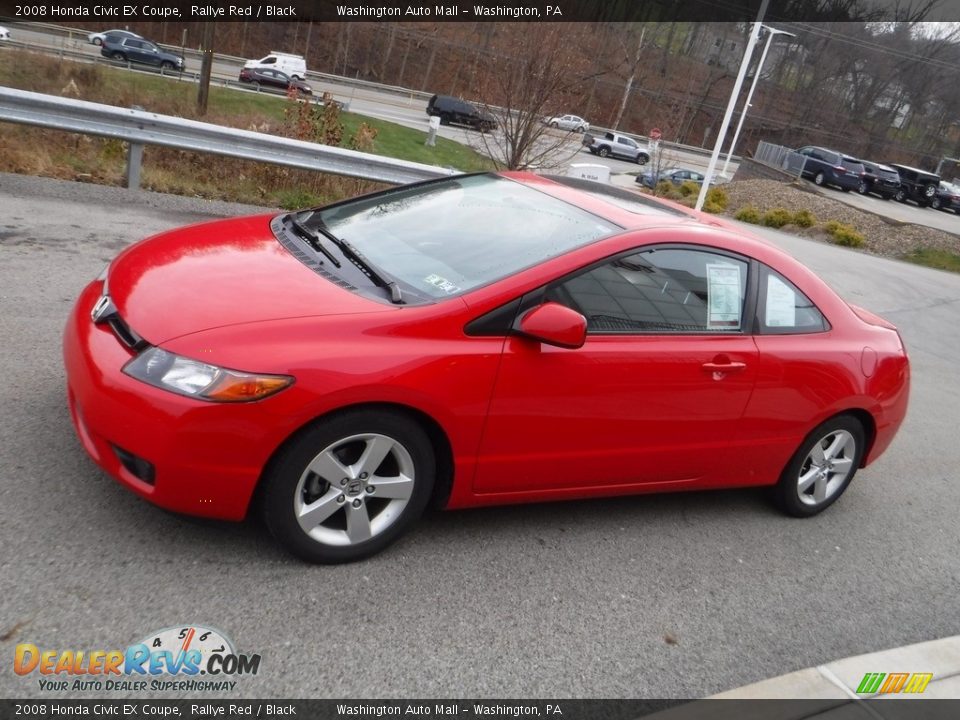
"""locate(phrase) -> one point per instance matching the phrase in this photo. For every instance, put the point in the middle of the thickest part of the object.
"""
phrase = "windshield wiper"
(311, 237)
(366, 267)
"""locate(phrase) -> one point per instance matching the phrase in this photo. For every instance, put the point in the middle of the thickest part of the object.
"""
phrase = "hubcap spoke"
(842, 466)
(398, 488)
(309, 516)
(328, 467)
(820, 488)
(837, 446)
(817, 456)
(808, 478)
(358, 523)
(374, 454)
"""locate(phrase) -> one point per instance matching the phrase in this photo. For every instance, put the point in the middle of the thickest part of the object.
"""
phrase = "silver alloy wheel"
(354, 489)
(826, 467)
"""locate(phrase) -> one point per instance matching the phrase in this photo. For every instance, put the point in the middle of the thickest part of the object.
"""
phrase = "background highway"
(658, 596)
(409, 109)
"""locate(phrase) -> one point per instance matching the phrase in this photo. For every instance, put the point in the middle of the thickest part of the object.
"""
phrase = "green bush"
(804, 219)
(777, 217)
(688, 188)
(846, 236)
(718, 197)
(748, 214)
(711, 207)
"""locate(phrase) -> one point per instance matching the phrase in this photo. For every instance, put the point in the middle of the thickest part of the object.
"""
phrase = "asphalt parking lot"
(677, 595)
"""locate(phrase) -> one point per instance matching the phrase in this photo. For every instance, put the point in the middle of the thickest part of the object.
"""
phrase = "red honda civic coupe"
(474, 340)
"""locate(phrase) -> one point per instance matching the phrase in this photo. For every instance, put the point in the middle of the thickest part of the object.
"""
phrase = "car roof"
(898, 166)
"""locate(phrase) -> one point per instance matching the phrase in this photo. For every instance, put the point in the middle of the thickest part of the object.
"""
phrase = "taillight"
(840, 169)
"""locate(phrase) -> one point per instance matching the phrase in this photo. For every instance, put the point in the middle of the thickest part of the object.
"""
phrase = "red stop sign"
(655, 134)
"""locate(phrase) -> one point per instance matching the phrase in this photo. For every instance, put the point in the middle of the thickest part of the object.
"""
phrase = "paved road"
(562, 600)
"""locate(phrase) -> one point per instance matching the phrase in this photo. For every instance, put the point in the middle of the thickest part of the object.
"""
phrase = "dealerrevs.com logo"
(185, 658)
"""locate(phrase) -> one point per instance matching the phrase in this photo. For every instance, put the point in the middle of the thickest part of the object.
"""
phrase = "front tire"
(118, 56)
(349, 486)
(642, 159)
(901, 196)
(862, 188)
(822, 468)
(819, 179)
(603, 152)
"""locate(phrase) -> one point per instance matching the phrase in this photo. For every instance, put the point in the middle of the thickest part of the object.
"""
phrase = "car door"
(653, 397)
(625, 147)
(151, 53)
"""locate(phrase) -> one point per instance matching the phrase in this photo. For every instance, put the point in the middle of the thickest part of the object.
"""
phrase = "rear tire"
(348, 486)
(822, 468)
(936, 204)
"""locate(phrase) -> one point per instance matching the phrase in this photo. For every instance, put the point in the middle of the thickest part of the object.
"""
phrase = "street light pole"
(753, 86)
(747, 55)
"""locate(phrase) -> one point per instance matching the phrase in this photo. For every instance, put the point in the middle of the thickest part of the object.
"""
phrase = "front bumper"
(206, 457)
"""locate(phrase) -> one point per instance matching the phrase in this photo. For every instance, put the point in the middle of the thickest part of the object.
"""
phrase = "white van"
(293, 65)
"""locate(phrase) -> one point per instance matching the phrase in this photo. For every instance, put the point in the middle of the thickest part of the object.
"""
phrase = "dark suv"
(459, 112)
(828, 167)
(138, 50)
(879, 179)
(917, 185)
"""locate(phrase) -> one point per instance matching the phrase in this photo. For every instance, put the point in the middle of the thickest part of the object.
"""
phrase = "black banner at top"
(63, 11)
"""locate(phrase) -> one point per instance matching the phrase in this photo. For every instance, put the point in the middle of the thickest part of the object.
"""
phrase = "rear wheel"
(936, 204)
(349, 486)
(822, 467)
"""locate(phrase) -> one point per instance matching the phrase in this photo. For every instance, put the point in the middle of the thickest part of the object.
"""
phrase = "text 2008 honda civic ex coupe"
(474, 340)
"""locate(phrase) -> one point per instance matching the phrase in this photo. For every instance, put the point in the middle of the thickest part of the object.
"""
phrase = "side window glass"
(786, 310)
(659, 291)
(268, 61)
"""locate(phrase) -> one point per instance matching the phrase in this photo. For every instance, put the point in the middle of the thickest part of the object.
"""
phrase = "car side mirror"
(554, 324)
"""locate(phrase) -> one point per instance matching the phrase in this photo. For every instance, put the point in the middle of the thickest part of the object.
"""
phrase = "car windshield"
(452, 236)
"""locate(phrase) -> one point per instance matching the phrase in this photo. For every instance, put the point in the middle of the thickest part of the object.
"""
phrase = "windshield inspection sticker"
(723, 295)
(442, 283)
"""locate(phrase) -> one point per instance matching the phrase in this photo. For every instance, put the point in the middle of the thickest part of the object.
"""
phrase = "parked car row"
(901, 182)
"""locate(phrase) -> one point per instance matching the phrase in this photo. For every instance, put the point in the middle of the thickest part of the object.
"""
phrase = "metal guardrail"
(140, 128)
(780, 157)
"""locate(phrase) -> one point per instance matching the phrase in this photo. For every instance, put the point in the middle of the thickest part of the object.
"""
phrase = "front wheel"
(167, 65)
(603, 152)
(819, 179)
(822, 467)
(117, 56)
(642, 159)
(348, 486)
(901, 196)
(862, 188)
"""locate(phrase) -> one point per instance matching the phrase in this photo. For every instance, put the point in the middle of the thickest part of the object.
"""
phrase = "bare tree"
(527, 82)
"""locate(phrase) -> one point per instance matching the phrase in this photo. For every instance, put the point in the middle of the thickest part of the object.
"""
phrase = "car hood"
(211, 275)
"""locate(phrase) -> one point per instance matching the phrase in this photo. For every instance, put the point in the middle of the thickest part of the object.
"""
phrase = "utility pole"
(206, 66)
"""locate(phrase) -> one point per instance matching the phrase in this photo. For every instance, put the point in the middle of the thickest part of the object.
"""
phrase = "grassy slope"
(50, 153)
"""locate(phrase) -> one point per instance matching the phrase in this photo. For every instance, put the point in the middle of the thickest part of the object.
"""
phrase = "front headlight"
(199, 380)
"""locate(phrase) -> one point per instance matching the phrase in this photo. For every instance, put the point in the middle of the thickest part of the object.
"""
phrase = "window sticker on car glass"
(442, 283)
(723, 296)
(781, 304)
